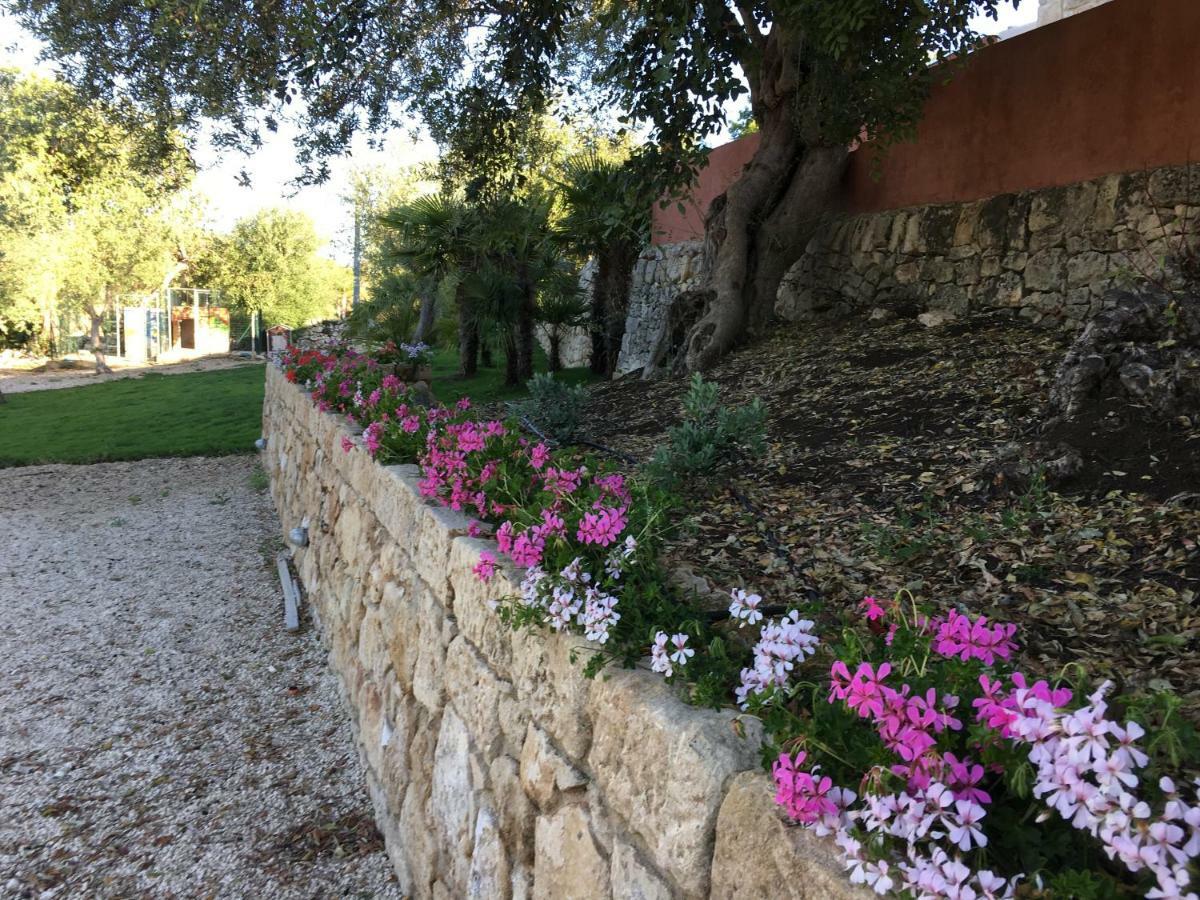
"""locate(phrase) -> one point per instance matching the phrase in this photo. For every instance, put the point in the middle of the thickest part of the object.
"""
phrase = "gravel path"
(20, 379)
(160, 734)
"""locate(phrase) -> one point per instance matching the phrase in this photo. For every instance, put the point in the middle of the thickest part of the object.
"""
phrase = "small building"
(279, 338)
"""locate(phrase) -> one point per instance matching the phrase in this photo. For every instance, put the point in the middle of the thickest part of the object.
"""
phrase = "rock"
(1016, 467)
(881, 315)
(488, 878)
(667, 777)
(935, 318)
(567, 861)
(544, 771)
(1143, 346)
(759, 857)
(634, 880)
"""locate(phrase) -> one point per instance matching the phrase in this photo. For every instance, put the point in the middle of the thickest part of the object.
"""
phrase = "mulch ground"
(874, 481)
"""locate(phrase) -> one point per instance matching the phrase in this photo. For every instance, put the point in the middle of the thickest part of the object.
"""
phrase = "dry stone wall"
(1049, 255)
(495, 768)
(660, 273)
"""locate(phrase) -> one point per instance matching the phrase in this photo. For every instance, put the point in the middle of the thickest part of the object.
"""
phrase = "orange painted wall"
(725, 163)
(1113, 89)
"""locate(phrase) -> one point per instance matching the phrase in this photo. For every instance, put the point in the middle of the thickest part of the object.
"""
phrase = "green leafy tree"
(818, 75)
(92, 204)
(269, 264)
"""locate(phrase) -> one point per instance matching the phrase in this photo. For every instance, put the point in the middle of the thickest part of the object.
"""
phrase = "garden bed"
(872, 481)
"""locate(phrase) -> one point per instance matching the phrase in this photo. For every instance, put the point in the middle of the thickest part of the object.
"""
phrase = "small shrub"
(710, 434)
(554, 407)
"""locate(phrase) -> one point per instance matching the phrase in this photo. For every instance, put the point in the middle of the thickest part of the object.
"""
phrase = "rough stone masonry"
(496, 769)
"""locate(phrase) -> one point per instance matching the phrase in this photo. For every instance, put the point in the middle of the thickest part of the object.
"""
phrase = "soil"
(872, 482)
(161, 735)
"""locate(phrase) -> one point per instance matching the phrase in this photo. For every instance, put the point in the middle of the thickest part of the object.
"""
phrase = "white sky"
(274, 165)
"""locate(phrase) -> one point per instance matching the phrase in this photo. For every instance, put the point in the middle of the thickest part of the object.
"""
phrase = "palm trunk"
(468, 334)
(525, 322)
(427, 318)
(512, 363)
(555, 349)
(614, 272)
(598, 325)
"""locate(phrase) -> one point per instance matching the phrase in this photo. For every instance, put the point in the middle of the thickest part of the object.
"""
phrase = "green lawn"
(488, 385)
(197, 414)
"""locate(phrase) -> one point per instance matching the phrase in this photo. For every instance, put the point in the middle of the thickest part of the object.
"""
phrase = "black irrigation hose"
(777, 546)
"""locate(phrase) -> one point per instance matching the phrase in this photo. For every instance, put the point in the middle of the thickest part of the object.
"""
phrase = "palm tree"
(606, 217)
(437, 236)
(561, 305)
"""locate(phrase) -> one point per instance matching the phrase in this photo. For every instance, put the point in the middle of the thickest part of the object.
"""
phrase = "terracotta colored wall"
(725, 163)
(1112, 89)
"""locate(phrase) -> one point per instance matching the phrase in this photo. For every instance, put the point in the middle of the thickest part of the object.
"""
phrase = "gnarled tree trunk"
(768, 214)
(102, 367)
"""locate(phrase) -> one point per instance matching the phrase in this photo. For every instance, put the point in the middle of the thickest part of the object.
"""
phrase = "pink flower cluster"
(959, 636)
(602, 528)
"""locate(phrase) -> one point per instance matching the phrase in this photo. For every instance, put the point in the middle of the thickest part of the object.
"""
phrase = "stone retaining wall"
(1047, 255)
(660, 273)
(495, 768)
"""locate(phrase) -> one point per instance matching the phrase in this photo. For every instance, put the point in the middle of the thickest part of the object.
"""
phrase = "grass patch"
(488, 386)
(197, 414)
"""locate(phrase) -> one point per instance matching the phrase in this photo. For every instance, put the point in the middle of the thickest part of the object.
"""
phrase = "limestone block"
(398, 608)
(632, 879)
(435, 632)
(393, 743)
(1045, 271)
(665, 778)
(474, 617)
(1086, 268)
(553, 689)
(789, 863)
(567, 862)
(437, 527)
(476, 692)
(968, 219)
(372, 645)
(453, 801)
(545, 772)
(488, 877)
(515, 811)
(397, 502)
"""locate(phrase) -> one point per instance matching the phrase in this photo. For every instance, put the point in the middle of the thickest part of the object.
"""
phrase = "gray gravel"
(160, 734)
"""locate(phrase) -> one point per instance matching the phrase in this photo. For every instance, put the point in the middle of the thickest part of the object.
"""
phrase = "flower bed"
(908, 735)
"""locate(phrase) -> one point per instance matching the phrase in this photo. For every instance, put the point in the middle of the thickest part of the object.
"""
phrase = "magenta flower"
(872, 611)
(602, 528)
(805, 798)
(486, 567)
(539, 456)
(866, 695)
(347, 444)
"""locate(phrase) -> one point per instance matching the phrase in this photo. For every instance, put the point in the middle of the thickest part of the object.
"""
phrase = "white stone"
(567, 862)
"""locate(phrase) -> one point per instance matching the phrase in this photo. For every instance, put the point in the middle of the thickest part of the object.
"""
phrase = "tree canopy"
(268, 264)
(818, 75)
(91, 206)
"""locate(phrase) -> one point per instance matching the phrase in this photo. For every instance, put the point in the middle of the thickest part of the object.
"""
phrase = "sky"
(273, 166)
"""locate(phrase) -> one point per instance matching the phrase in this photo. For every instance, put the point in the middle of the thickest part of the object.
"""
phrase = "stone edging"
(496, 769)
